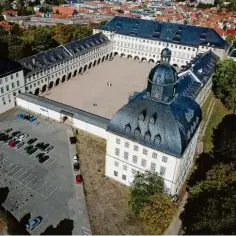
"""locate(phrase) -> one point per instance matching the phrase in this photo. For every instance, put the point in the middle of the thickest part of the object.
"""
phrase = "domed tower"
(162, 79)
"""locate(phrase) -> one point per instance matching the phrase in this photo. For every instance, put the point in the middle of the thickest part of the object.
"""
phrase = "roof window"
(137, 132)
(157, 139)
(127, 128)
(147, 136)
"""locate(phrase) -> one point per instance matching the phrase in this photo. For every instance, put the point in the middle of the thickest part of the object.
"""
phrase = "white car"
(23, 137)
(75, 158)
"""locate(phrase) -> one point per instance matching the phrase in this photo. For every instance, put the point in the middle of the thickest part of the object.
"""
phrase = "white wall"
(100, 132)
(111, 158)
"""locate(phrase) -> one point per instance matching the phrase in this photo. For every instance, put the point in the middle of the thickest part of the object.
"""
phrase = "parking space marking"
(26, 180)
(17, 171)
(9, 166)
(50, 161)
(13, 168)
(48, 193)
(40, 186)
(86, 231)
(44, 189)
(13, 171)
(22, 176)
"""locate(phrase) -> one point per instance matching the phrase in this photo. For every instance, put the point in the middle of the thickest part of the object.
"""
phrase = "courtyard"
(91, 91)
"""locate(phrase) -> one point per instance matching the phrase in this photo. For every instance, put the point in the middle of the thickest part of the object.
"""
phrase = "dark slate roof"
(202, 67)
(8, 67)
(62, 53)
(233, 53)
(163, 31)
(59, 107)
(166, 127)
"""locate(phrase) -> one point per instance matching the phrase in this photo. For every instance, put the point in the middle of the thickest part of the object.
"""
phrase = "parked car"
(45, 146)
(12, 143)
(72, 140)
(40, 155)
(43, 158)
(8, 130)
(32, 140)
(18, 135)
(19, 145)
(23, 137)
(76, 166)
(7, 138)
(32, 119)
(32, 150)
(78, 179)
(33, 223)
(15, 133)
(29, 147)
(39, 145)
(49, 149)
(75, 158)
(4, 138)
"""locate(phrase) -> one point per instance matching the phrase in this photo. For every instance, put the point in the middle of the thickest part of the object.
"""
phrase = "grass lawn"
(106, 199)
(219, 111)
(206, 105)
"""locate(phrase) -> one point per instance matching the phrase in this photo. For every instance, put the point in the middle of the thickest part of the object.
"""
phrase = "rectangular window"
(117, 151)
(117, 140)
(135, 148)
(153, 166)
(18, 83)
(7, 87)
(145, 152)
(12, 77)
(17, 75)
(135, 159)
(164, 159)
(124, 177)
(13, 85)
(127, 144)
(116, 163)
(0, 81)
(6, 79)
(124, 167)
(162, 170)
(154, 155)
(115, 173)
(126, 155)
(134, 171)
(2, 90)
(143, 163)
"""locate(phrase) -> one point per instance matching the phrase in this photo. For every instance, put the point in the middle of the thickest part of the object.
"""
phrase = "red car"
(12, 143)
(78, 179)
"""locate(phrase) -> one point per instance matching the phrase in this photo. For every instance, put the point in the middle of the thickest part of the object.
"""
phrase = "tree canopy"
(224, 140)
(224, 83)
(157, 214)
(144, 185)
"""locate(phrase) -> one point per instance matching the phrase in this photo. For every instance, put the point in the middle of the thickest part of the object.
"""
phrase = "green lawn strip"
(219, 111)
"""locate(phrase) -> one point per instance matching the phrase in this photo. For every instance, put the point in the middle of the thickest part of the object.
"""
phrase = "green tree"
(215, 200)
(157, 214)
(224, 83)
(40, 38)
(16, 30)
(224, 140)
(144, 186)
(7, 5)
(230, 38)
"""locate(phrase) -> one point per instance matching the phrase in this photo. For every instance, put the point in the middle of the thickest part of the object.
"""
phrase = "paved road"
(48, 189)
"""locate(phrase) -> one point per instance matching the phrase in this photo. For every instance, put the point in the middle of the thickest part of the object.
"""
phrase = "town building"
(144, 40)
(11, 84)
(157, 130)
(232, 55)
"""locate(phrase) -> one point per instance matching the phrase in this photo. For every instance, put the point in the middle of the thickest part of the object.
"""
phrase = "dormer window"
(142, 116)
(137, 132)
(127, 128)
(147, 136)
(157, 139)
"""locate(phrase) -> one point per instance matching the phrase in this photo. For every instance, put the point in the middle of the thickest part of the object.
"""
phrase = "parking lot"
(46, 189)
